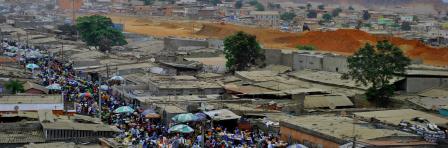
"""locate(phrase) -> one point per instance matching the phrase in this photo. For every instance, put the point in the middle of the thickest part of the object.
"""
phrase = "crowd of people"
(95, 99)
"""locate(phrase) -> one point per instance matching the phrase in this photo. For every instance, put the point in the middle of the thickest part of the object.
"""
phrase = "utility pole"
(354, 133)
(99, 98)
(62, 51)
(27, 39)
(73, 12)
(107, 71)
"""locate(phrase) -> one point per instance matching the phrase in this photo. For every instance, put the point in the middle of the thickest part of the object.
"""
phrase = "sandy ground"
(157, 27)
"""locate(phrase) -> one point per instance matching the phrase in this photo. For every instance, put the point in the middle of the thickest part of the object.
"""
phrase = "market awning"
(222, 114)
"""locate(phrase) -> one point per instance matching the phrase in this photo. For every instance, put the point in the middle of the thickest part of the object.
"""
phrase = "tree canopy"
(375, 66)
(308, 6)
(259, 7)
(311, 14)
(96, 30)
(327, 17)
(287, 16)
(215, 2)
(242, 51)
(351, 8)
(238, 4)
(406, 26)
(306, 47)
(335, 12)
(321, 7)
(365, 15)
(14, 86)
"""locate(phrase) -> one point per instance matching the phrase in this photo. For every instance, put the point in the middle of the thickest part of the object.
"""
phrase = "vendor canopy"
(222, 114)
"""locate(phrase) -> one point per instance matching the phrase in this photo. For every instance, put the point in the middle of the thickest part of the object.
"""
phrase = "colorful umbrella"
(124, 109)
(182, 118)
(200, 116)
(32, 66)
(54, 86)
(86, 94)
(181, 128)
(119, 78)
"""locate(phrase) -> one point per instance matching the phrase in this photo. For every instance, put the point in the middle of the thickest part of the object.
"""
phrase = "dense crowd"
(91, 97)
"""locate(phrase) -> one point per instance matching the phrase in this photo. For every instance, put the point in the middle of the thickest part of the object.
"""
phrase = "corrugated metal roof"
(427, 73)
(430, 103)
(435, 93)
(396, 116)
(21, 133)
(323, 101)
(28, 85)
(79, 126)
(222, 114)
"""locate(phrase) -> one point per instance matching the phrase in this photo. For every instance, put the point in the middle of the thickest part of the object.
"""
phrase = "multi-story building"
(266, 18)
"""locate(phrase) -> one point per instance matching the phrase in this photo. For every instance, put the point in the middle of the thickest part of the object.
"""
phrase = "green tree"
(67, 29)
(215, 2)
(406, 26)
(365, 15)
(287, 16)
(259, 7)
(308, 6)
(335, 12)
(351, 8)
(306, 47)
(14, 86)
(311, 14)
(327, 17)
(242, 51)
(375, 67)
(96, 30)
(253, 2)
(415, 18)
(147, 2)
(321, 7)
(273, 6)
(238, 4)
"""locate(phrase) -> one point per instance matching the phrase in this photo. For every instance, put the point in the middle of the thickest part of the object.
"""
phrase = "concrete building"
(417, 80)
(307, 61)
(300, 60)
(10, 104)
(70, 4)
(33, 88)
(266, 18)
(329, 131)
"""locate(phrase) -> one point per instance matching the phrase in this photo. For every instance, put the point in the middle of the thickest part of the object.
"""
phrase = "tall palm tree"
(14, 86)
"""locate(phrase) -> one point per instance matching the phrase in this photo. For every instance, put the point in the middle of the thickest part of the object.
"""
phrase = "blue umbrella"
(124, 109)
(181, 128)
(200, 116)
(54, 86)
(182, 118)
(32, 66)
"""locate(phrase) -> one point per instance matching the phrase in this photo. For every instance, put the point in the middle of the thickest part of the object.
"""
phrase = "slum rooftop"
(331, 78)
(186, 84)
(396, 116)
(31, 99)
(340, 127)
